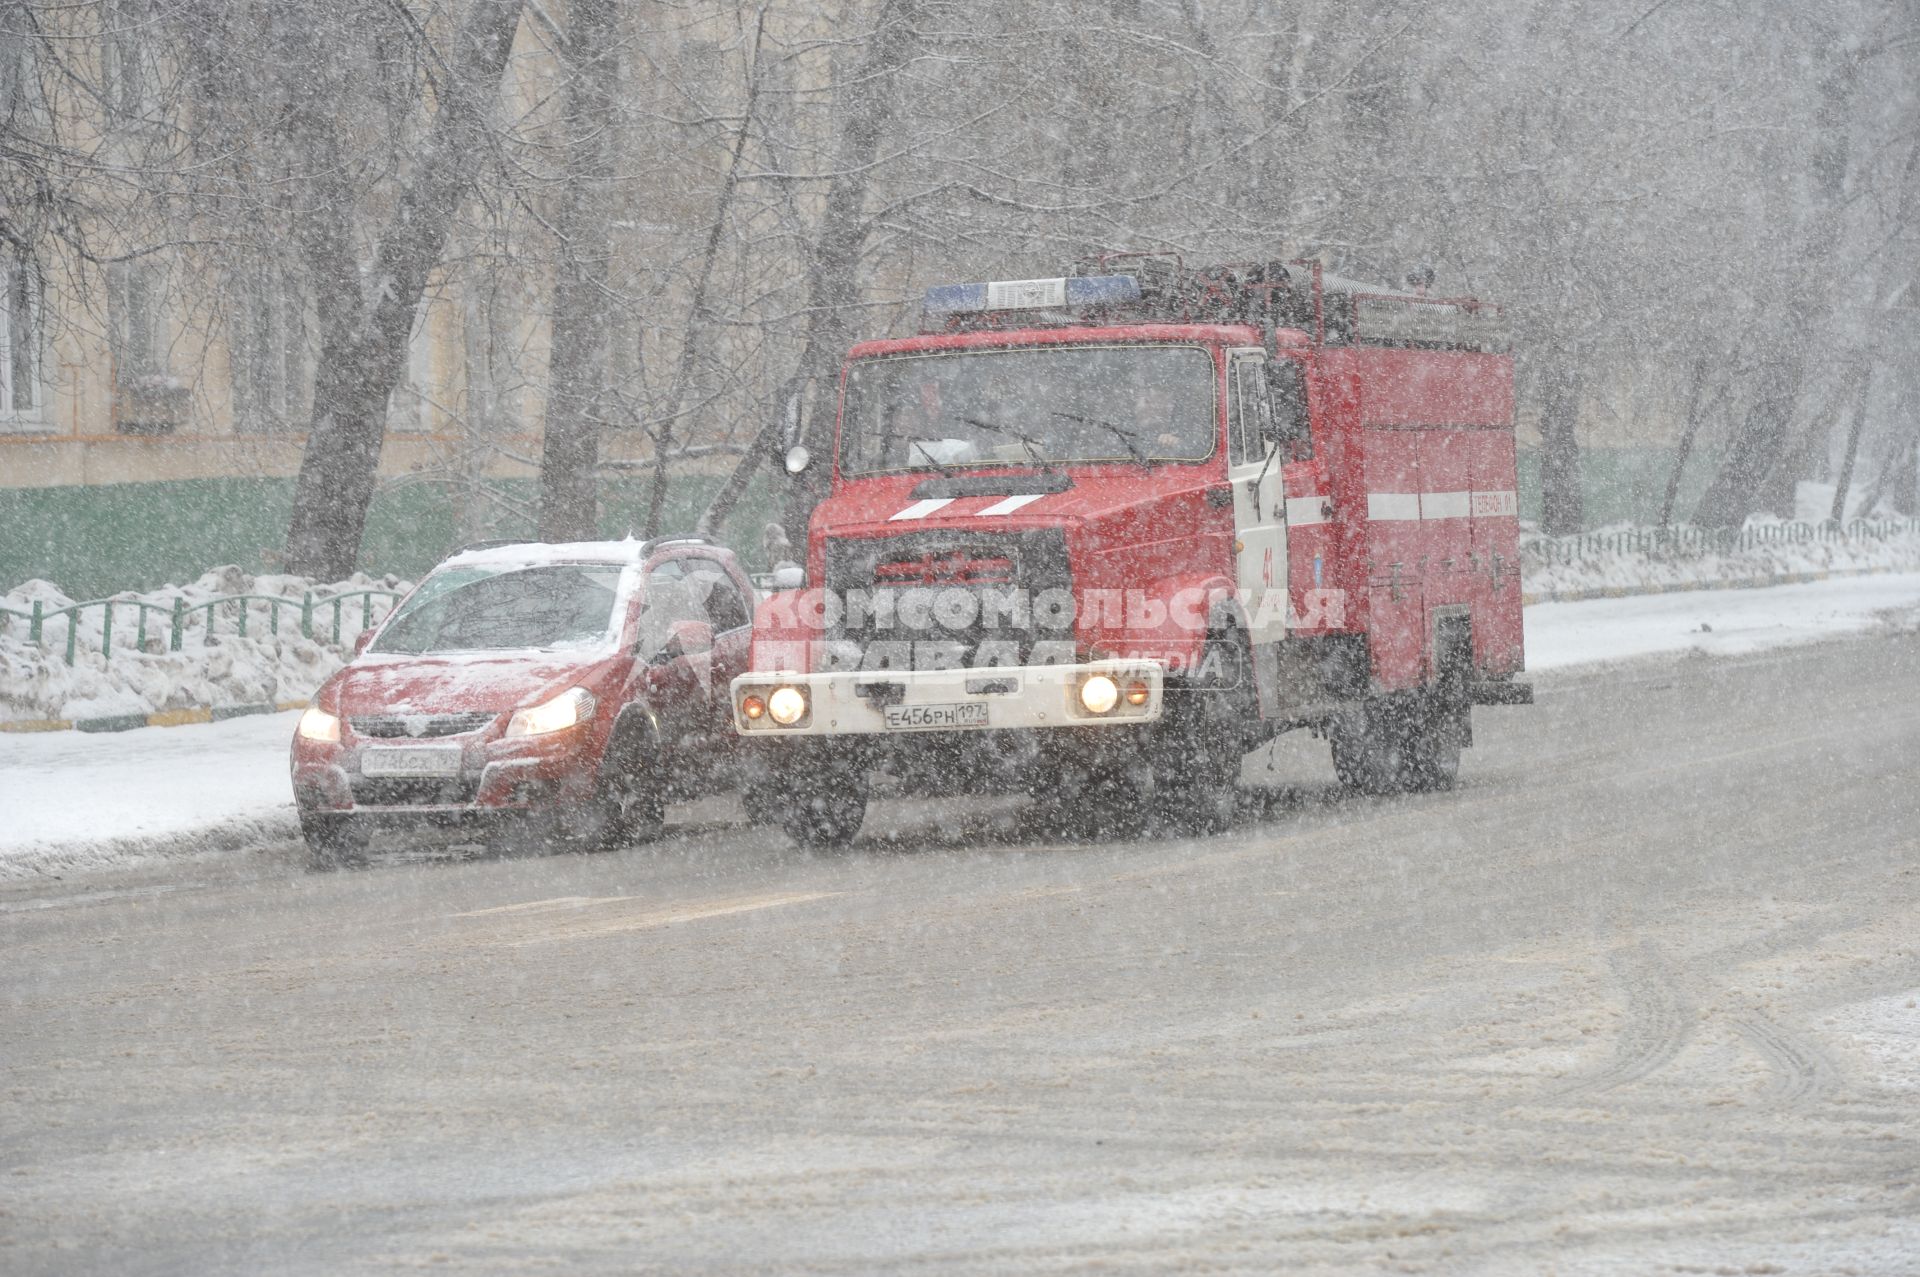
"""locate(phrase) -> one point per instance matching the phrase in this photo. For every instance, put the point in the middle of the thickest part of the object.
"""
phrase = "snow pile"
(1640, 560)
(213, 667)
(83, 800)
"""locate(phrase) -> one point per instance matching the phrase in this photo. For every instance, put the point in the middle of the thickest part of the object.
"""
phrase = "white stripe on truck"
(1389, 507)
(1384, 506)
(1009, 505)
(921, 509)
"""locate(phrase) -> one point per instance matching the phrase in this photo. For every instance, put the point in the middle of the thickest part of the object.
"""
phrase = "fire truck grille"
(420, 726)
(961, 598)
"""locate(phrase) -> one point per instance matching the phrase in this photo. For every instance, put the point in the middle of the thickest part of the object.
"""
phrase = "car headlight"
(1099, 694)
(569, 709)
(786, 705)
(317, 724)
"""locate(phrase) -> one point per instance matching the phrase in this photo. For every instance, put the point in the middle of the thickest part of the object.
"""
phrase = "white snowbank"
(1607, 559)
(1715, 622)
(217, 668)
(77, 800)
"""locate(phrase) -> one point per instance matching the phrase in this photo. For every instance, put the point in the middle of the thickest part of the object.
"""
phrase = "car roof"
(624, 552)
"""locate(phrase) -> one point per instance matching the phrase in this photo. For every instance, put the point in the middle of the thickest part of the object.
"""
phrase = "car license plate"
(402, 761)
(922, 718)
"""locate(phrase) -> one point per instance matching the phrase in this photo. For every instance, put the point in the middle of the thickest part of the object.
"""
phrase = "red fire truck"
(1100, 535)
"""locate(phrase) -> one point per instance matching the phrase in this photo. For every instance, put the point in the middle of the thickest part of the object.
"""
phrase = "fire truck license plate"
(920, 718)
(410, 762)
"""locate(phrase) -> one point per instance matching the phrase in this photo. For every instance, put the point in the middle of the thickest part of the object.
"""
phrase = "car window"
(499, 608)
(726, 609)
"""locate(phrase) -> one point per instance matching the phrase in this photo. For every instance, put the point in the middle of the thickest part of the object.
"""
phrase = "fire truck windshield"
(947, 410)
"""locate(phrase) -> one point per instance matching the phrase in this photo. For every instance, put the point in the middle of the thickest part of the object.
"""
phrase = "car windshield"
(1057, 404)
(487, 608)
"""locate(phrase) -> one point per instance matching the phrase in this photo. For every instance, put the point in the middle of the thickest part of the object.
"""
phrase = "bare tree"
(577, 383)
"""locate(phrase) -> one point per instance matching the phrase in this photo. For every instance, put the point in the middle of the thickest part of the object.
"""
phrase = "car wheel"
(335, 840)
(632, 806)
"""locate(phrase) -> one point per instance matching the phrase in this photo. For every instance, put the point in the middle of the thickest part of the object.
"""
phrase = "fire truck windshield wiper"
(918, 443)
(1026, 441)
(1125, 437)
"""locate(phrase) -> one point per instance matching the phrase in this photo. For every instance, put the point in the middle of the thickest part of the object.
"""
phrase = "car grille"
(414, 791)
(420, 726)
(913, 571)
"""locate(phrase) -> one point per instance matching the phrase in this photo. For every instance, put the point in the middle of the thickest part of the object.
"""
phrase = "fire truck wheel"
(824, 808)
(1435, 747)
(1398, 746)
(1375, 748)
(1196, 768)
(335, 840)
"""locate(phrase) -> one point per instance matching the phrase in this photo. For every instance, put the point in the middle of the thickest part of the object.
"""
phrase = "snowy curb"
(1528, 598)
(163, 718)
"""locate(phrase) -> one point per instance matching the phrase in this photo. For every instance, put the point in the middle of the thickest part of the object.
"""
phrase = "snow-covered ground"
(80, 799)
(1715, 622)
(73, 799)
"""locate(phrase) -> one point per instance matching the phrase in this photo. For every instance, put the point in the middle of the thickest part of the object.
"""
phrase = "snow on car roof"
(533, 553)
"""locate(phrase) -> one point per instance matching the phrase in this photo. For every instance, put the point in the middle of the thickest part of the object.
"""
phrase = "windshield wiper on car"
(1126, 439)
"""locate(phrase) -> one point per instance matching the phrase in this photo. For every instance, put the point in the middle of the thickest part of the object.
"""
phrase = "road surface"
(1638, 997)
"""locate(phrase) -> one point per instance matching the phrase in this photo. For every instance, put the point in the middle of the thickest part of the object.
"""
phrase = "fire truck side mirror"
(797, 458)
(1288, 422)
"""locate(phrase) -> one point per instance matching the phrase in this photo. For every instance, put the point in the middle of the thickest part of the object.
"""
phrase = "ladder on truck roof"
(1160, 288)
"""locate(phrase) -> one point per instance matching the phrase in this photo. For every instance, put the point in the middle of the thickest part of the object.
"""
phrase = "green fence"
(97, 539)
(1687, 542)
(175, 618)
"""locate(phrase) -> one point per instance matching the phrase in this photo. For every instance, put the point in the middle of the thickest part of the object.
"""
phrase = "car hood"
(462, 683)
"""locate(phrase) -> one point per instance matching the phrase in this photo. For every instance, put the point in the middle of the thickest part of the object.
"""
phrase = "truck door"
(1259, 509)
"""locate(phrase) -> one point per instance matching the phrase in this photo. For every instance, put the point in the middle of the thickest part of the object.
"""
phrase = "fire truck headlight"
(786, 705)
(1099, 694)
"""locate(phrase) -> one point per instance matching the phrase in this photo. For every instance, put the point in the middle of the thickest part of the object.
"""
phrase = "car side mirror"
(360, 644)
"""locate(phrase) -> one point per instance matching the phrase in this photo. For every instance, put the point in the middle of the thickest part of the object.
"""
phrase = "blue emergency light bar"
(1031, 294)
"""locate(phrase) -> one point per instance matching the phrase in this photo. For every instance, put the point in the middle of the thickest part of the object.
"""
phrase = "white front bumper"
(1033, 696)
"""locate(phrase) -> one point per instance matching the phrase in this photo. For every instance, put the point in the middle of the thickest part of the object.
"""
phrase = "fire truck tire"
(1435, 748)
(825, 808)
(1375, 748)
(1397, 746)
(335, 840)
(1196, 768)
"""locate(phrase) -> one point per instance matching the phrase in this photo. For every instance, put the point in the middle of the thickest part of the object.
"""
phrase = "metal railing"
(1688, 542)
(175, 617)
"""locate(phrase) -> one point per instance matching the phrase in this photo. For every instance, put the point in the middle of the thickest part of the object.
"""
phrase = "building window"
(22, 395)
(148, 400)
(267, 352)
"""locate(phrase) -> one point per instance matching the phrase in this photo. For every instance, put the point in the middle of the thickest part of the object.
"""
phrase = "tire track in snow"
(1660, 1018)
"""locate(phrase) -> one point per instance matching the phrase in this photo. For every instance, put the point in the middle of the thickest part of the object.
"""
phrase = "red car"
(553, 696)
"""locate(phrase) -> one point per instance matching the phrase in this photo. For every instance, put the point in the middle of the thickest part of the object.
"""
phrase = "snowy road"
(1639, 997)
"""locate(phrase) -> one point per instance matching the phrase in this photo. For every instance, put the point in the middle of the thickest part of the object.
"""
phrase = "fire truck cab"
(1100, 535)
